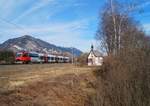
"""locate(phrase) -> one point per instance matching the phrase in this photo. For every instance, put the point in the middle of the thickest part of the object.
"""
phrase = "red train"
(34, 57)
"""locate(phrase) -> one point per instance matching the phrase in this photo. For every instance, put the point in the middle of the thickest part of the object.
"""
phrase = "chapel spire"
(92, 47)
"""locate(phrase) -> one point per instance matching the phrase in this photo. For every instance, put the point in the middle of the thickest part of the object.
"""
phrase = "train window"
(33, 55)
(41, 57)
(56, 58)
(48, 58)
(52, 58)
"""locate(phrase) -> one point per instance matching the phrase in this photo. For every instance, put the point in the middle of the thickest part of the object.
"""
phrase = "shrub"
(6, 57)
(82, 59)
(124, 80)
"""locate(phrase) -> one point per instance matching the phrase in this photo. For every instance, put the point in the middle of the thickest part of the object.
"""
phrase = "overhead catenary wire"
(11, 23)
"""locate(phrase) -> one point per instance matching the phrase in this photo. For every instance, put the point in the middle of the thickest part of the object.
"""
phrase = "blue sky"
(61, 22)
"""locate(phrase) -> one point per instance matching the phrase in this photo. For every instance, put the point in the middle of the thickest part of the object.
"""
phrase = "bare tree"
(124, 77)
(115, 20)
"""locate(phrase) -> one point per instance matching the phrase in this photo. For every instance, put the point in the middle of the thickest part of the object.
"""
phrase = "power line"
(17, 26)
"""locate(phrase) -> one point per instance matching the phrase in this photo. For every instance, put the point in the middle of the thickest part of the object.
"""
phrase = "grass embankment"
(46, 85)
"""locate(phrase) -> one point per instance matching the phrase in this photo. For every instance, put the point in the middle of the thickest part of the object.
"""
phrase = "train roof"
(34, 52)
(50, 55)
(66, 57)
(60, 56)
(21, 52)
(40, 54)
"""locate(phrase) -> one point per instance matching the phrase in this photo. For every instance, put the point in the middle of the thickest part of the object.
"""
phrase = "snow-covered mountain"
(30, 43)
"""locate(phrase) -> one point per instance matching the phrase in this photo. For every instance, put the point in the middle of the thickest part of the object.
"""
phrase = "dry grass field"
(46, 85)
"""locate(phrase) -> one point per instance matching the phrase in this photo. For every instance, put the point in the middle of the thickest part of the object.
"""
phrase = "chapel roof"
(97, 53)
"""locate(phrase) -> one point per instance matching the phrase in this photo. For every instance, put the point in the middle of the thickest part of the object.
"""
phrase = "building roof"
(97, 53)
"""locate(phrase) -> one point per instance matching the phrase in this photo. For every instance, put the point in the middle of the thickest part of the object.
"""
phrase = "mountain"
(30, 43)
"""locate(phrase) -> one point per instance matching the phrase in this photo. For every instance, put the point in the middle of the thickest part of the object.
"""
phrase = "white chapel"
(95, 58)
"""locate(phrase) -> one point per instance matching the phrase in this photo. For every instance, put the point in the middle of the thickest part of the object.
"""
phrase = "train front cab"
(22, 57)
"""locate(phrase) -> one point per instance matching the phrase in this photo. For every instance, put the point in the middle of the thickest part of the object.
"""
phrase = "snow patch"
(17, 47)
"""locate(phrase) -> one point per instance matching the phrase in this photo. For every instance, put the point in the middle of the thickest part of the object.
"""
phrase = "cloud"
(53, 6)
(140, 5)
(144, 4)
(8, 7)
(73, 32)
(147, 28)
(5, 6)
(63, 34)
(35, 7)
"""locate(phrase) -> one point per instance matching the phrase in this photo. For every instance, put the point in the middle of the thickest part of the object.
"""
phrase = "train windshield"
(18, 55)
(25, 55)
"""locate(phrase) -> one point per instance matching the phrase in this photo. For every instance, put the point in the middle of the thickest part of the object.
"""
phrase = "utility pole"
(72, 56)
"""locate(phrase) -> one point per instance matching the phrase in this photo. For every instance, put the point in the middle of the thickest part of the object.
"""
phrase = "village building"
(95, 58)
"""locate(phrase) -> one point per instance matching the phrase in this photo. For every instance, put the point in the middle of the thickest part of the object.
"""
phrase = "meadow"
(46, 85)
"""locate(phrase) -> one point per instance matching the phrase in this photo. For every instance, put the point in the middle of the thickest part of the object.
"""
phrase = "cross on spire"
(92, 47)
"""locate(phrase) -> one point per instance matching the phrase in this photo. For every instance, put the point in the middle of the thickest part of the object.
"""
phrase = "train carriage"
(60, 59)
(66, 59)
(42, 58)
(51, 58)
(34, 57)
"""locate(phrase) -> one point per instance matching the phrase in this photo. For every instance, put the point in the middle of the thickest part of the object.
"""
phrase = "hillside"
(30, 43)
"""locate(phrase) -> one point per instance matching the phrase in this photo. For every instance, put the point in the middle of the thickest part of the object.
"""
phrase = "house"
(95, 58)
